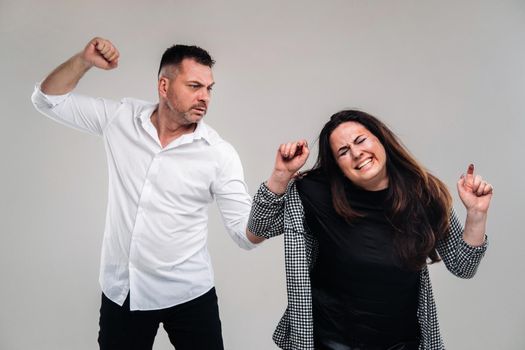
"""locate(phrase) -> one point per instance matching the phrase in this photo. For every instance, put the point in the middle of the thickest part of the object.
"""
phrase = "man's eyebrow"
(199, 83)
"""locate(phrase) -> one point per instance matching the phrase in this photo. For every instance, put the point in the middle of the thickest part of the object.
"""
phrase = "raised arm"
(266, 217)
(100, 53)
(289, 159)
(475, 193)
(464, 248)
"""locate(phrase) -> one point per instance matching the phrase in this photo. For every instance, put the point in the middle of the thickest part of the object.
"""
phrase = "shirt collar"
(202, 131)
(145, 114)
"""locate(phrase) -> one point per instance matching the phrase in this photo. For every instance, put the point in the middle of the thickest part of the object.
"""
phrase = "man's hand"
(100, 53)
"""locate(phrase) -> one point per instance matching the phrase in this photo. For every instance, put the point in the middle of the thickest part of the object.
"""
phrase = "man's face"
(186, 91)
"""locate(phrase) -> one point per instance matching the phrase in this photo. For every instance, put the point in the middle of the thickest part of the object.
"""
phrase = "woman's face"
(360, 156)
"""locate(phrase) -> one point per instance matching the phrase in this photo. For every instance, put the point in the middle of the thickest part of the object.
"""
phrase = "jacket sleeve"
(267, 213)
(459, 257)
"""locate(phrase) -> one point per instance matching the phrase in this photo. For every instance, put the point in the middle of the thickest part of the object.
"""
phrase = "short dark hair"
(177, 53)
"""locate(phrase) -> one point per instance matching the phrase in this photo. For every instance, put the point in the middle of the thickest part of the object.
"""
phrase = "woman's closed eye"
(360, 140)
(343, 151)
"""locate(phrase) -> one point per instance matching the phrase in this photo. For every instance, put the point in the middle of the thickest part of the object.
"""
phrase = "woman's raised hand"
(475, 193)
(290, 158)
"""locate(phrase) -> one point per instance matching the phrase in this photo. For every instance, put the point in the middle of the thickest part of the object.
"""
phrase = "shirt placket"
(144, 203)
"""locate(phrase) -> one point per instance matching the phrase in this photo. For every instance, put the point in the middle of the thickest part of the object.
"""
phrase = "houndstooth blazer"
(273, 215)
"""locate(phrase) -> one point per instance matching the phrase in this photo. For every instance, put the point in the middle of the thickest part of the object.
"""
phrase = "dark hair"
(177, 53)
(418, 203)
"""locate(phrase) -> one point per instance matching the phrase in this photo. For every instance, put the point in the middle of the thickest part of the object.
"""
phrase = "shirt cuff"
(49, 101)
(268, 196)
(473, 251)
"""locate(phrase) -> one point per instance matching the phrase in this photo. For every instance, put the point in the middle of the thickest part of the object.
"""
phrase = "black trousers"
(192, 325)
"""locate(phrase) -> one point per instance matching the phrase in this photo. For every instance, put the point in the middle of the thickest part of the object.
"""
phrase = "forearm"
(267, 214)
(66, 76)
(278, 181)
(253, 238)
(475, 226)
(476, 194)
(460, 254)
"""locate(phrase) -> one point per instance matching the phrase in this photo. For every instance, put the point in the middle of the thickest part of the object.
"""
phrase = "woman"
(359, 230)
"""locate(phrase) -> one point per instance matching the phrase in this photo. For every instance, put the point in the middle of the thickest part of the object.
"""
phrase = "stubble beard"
(185, 118)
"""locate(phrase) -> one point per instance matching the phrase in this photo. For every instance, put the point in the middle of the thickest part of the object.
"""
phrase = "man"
(165, 167)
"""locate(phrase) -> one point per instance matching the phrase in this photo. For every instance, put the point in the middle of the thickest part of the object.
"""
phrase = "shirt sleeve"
(233, 200)
(77, 111)
(459, 257)
(267, 214)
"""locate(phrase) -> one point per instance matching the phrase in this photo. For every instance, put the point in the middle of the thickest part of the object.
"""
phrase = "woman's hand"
(290, 158)
(475, 193)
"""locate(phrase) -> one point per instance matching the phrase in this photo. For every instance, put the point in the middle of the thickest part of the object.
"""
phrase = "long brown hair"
(418, 203)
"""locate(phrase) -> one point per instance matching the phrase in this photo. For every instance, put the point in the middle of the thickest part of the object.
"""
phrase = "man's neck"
(169, 129)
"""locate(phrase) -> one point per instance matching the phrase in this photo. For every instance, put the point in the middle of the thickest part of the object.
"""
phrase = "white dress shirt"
(156, 229)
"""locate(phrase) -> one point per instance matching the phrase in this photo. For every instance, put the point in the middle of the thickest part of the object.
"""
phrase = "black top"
(361, 294)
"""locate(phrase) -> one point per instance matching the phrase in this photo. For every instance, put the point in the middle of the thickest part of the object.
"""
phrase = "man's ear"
(163, 86)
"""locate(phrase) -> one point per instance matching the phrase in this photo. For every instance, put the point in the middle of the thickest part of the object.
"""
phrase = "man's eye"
(194, 86)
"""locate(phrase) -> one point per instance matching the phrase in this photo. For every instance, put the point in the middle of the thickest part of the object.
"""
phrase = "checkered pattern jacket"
(273, 215)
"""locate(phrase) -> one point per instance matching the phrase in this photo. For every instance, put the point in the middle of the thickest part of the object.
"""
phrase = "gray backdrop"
(447, 76)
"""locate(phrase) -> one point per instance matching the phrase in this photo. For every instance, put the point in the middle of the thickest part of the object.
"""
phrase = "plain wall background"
(447, 76)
